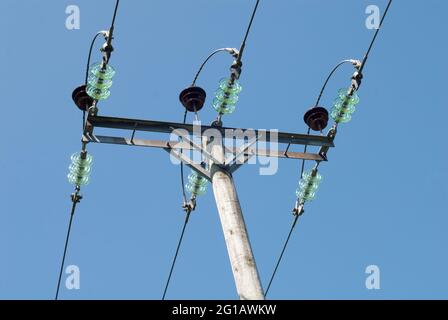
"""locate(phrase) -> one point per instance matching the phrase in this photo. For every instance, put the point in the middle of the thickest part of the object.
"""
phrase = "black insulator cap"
(82, 100)
(316, 118)
(193, 98)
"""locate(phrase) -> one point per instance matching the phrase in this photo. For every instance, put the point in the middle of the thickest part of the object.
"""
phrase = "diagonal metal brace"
(190, 163)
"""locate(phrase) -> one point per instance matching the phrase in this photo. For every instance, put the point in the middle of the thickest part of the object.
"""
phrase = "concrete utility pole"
(240, 253)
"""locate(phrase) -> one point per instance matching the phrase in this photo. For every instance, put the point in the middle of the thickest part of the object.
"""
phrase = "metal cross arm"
(168, 127)
(238, 156)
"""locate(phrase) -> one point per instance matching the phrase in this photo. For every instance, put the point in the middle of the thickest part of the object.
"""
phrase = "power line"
(296, 218)
(187, 218)
(238, 54)
(90, 54)
(229, 50)
(374, 37)
(243, 44)
(329, 77)
(76, 198)
(115, 14)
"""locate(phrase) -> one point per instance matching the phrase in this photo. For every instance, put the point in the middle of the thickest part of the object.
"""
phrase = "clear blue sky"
(382, 200)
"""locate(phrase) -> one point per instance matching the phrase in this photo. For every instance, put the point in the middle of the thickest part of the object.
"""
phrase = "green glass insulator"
(197, 185)
(98, 71)
(234, 88)
(308, 186)
(223, 108)
(342, 115)
(99, 83)
(353, 100)
(79, 170)
(225, 98)
(197, 179)
(78, 180)
(77, 158)
(315, 178)
(196, 190)
(97, 94)
(343, 96)
(306, 196)
(344, 106)
(347, 109)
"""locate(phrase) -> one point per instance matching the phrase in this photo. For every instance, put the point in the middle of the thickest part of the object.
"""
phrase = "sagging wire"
(313, 179)
(234, 52)
(80, 167)
(355, 63)
(89, 58)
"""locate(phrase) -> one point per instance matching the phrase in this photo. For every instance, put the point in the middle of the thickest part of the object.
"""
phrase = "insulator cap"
(316, 118)
(193, 98)
(82, 100)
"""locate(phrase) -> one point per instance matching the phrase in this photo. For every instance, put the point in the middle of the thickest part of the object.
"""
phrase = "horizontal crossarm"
(167, 127)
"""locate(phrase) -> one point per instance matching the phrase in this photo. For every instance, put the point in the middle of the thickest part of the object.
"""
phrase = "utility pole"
(239, 249)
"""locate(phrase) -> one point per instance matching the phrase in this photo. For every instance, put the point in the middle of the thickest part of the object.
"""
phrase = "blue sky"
(382, 200)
